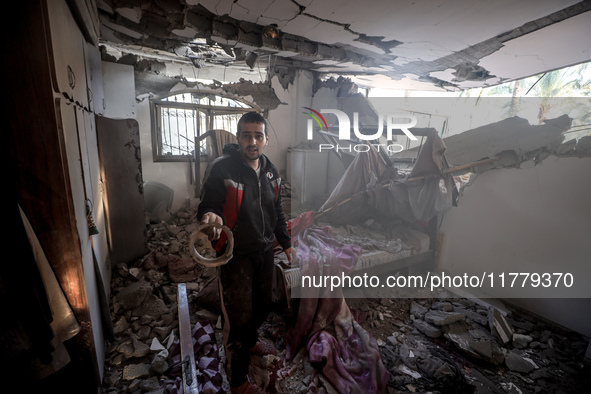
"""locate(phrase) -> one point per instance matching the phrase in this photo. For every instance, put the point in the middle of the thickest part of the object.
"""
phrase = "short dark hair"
(251, 117)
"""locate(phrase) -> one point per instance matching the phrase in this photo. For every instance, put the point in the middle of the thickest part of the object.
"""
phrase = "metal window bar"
(176, 136)
(178, 129)
(177, 132)
(168, 130)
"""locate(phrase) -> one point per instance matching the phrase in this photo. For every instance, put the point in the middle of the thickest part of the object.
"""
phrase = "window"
(178, 119)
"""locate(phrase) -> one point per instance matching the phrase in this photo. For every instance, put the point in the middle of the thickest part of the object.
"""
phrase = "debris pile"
(145, 328)
(437, 345)
(144, 310)
(458, 345)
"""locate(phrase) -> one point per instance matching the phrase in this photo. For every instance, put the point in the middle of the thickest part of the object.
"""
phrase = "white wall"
(119, 91)
(533, 219)
(285, 127)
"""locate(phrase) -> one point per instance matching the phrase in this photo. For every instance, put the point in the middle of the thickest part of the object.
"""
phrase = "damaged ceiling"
(414, 45)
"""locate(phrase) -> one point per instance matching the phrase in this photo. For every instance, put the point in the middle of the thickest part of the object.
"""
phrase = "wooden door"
(120, 160)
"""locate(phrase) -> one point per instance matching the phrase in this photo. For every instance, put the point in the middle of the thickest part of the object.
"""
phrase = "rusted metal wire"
(211, 262)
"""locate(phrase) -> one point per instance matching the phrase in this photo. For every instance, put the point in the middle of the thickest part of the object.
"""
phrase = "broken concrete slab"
(521, 324)
(136, 371)
(521, 341)
(583, 147)
(483, 348)
(418, 310)
(140, 349)
(126, 349)
(204, 314)
(483, 385)
(392, 340)
(434, 367)
(566, 148)
(408, 356)
(133, 295)
(500, 326)
(152, 306)
(160, 364)
(441, 318)
(150, 384)
(474, 316)
(427, 328)
(511, 388)
(442, 305)
(458, 334)
(517, 363)
(488, 350)
(183, 269)
(120, 325)
(155, 345)
(511, 134)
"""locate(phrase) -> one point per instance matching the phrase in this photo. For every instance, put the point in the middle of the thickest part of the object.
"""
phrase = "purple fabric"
(337, 345)
(350, 359)
(209, 378)
(319, 254)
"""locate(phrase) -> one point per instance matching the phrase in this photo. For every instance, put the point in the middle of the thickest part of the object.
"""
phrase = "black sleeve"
(213, 193)
(281, 233)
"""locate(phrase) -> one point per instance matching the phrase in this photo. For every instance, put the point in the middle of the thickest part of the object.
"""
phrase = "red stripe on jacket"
(231, 208)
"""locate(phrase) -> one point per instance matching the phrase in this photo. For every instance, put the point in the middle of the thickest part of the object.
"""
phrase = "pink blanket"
(337, 345)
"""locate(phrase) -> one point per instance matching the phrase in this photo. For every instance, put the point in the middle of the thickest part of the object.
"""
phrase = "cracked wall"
(530, 219)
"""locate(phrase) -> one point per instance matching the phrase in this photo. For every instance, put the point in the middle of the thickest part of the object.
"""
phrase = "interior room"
(474, 187)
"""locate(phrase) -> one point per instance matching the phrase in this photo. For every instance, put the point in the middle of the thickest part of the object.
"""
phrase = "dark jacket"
(250, 206)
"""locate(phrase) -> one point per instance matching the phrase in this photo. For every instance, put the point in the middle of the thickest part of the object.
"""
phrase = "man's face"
(252, 140)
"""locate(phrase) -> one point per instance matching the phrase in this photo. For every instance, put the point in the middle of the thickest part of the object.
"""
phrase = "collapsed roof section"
(433, 45)
(373, 187)
(515, 142)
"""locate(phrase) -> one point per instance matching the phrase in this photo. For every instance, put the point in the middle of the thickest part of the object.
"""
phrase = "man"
(242, 190)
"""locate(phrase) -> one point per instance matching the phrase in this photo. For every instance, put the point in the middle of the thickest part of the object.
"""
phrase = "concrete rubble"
(436, 345)
(453, 344)
(144, 309)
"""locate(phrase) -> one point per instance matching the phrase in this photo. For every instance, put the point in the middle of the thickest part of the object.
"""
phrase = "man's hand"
(213, 233)
(288, 252)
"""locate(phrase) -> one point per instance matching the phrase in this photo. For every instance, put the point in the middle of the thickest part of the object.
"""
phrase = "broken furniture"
(372, 192)
(378, 256)
(158, 200)
(215, 139)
